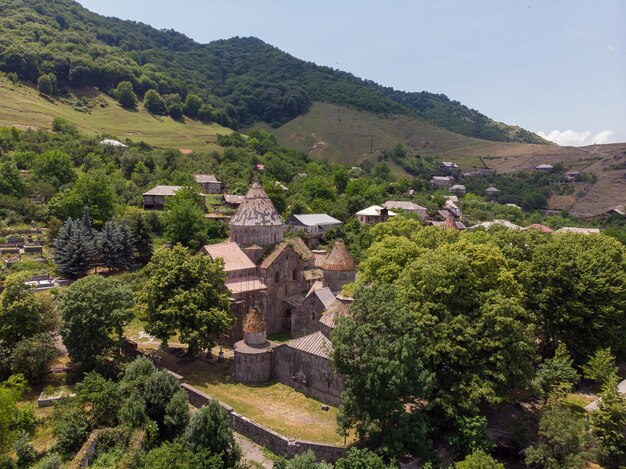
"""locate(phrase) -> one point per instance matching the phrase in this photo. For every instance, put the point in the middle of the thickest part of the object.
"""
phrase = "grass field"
(22, 106)
(273, 405)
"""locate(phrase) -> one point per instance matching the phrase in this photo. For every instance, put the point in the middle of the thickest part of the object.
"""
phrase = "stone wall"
(305, 319)
(335, 279)
(321, 382)
(265, 437)
(252, 365)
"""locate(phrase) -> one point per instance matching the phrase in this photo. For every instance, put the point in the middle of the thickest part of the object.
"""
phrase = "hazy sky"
(555, 67)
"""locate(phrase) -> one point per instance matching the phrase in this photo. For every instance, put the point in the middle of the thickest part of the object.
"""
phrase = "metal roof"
(203, 178)
(374, 211)
(316, 344)
(326, 296)
(585, 231)
(163, 190)
(313, 219)
(404, 205)
(246, 284)
(233, 256)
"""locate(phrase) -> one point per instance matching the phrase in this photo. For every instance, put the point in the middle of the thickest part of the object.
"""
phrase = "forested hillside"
(240, 81)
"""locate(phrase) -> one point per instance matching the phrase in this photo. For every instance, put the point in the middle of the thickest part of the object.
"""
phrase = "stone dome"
(339, 259)
(254, 329)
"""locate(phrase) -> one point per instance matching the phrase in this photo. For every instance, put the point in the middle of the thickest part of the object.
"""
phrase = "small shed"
(544, 168)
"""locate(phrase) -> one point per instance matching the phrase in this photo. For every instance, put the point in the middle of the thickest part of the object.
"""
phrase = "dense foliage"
(240, 80)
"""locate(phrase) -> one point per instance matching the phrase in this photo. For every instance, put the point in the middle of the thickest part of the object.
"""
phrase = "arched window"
(277, 277)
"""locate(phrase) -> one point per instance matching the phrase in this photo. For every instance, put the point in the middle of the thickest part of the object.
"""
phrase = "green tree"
(178, 456)
(92, 190)
(475, 329)
(557, 374)
(192, 105)
(94, 311)
(126, 95)
(115, 245)
(378, 352)
(10, 180)
(33, 356)
(601, 366)
(21, 313)
(386, 259)
(209, 429)
(74, 249)
(101, 397)
(154, 103)
(141, 233)
(24, 450)
(361, 459)
(471, 435)
(563, 440)
(608, 423)
(184, 220)
(185, 294)
(54, 167)
(11, 392)
(47, 84)
(479, 460)
(577, 290)
(70, 427)
(176, 111)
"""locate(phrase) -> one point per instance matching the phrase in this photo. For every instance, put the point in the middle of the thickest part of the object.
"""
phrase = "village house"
(448, 165)
(232, 200)
(572, 176)
(479, 172)
(619, 211)
(450, 223)
(458, 189)
(156, 197)
(492, 192)
(584, 231)
(442, 181)
(374, 214)
(312, 223)
(208, 183)
(544, 168)
(408, 207)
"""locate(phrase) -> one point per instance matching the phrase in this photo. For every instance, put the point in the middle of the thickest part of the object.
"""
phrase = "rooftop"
(313, 219)
(203, 178)
(246, 284)
(585, 231)
(233, 199)
(337, 309)
(233, 256)
(544, 166)
(374, 211)
(492, 189)
(403, 205)
(254, 323)
(163, 190)
(113, 143)
(316, 344)
(339, 259)
(325, 295)
(256, 210)
(540, 227)
(505, 223)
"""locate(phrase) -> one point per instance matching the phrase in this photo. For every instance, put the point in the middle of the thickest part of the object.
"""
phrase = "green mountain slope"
(241, 80)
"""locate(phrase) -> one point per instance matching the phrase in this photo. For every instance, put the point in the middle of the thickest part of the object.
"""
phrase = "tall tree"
(608, 423)
(142, 236)
(556, 376)
(54, 167)
(377, 350)
(94, 311)
(209, 429)
(184, 219)
(185, 294)
(115, 245)
(10, 181)
(601, 366)
(126, 95)
(577, 289)
(154, 103)
(74, 249)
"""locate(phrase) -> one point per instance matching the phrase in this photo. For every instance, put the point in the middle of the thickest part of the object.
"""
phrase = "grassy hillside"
(240, 80)
(22, 106)
(346, 135)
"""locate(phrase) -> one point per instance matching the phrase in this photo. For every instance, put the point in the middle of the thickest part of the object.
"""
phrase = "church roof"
(299, 247)
(233, 256)
(339, 259)
(256, 209)
(316, 344)
(337, 309)
(254, 323)
(325, 295)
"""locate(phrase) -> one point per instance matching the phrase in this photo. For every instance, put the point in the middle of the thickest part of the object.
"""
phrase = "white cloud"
(575, 138)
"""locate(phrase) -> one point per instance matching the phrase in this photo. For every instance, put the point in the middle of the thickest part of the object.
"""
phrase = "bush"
(71, 427)
(24, 450)
(32, 357)
(126, 95)
(51, 461)
(154, 103)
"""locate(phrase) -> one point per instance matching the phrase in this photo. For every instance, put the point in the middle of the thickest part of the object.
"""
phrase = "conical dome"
(256, 209)
(254, 322)
(256, 221)
(450, 224)
(339, 259)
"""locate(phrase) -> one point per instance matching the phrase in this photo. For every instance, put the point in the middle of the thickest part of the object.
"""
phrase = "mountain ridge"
(242, 79)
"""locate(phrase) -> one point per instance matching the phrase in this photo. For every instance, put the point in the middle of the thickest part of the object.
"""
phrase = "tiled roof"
(299, 247)
(233, 199)
(326, 296)
(233, 256)
(316, 344)
(256, 210)
(337, 309)
(246, 284)
(339, 259)
(203, 178)
(163, 190)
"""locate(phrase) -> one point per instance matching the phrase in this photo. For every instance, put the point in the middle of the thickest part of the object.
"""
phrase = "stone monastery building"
(288, 284)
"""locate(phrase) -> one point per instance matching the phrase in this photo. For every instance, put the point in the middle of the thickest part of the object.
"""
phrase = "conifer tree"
(115, 245)
(142, 238)
(74, 250)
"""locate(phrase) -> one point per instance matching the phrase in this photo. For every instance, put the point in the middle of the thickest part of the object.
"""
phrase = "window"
(295, 274)
(277, 277)
(286, 290)
(313, 316)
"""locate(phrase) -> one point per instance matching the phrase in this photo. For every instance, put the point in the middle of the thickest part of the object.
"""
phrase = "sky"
(554, 67)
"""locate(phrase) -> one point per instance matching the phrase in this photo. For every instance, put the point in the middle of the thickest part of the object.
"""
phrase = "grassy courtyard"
(273, 405)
